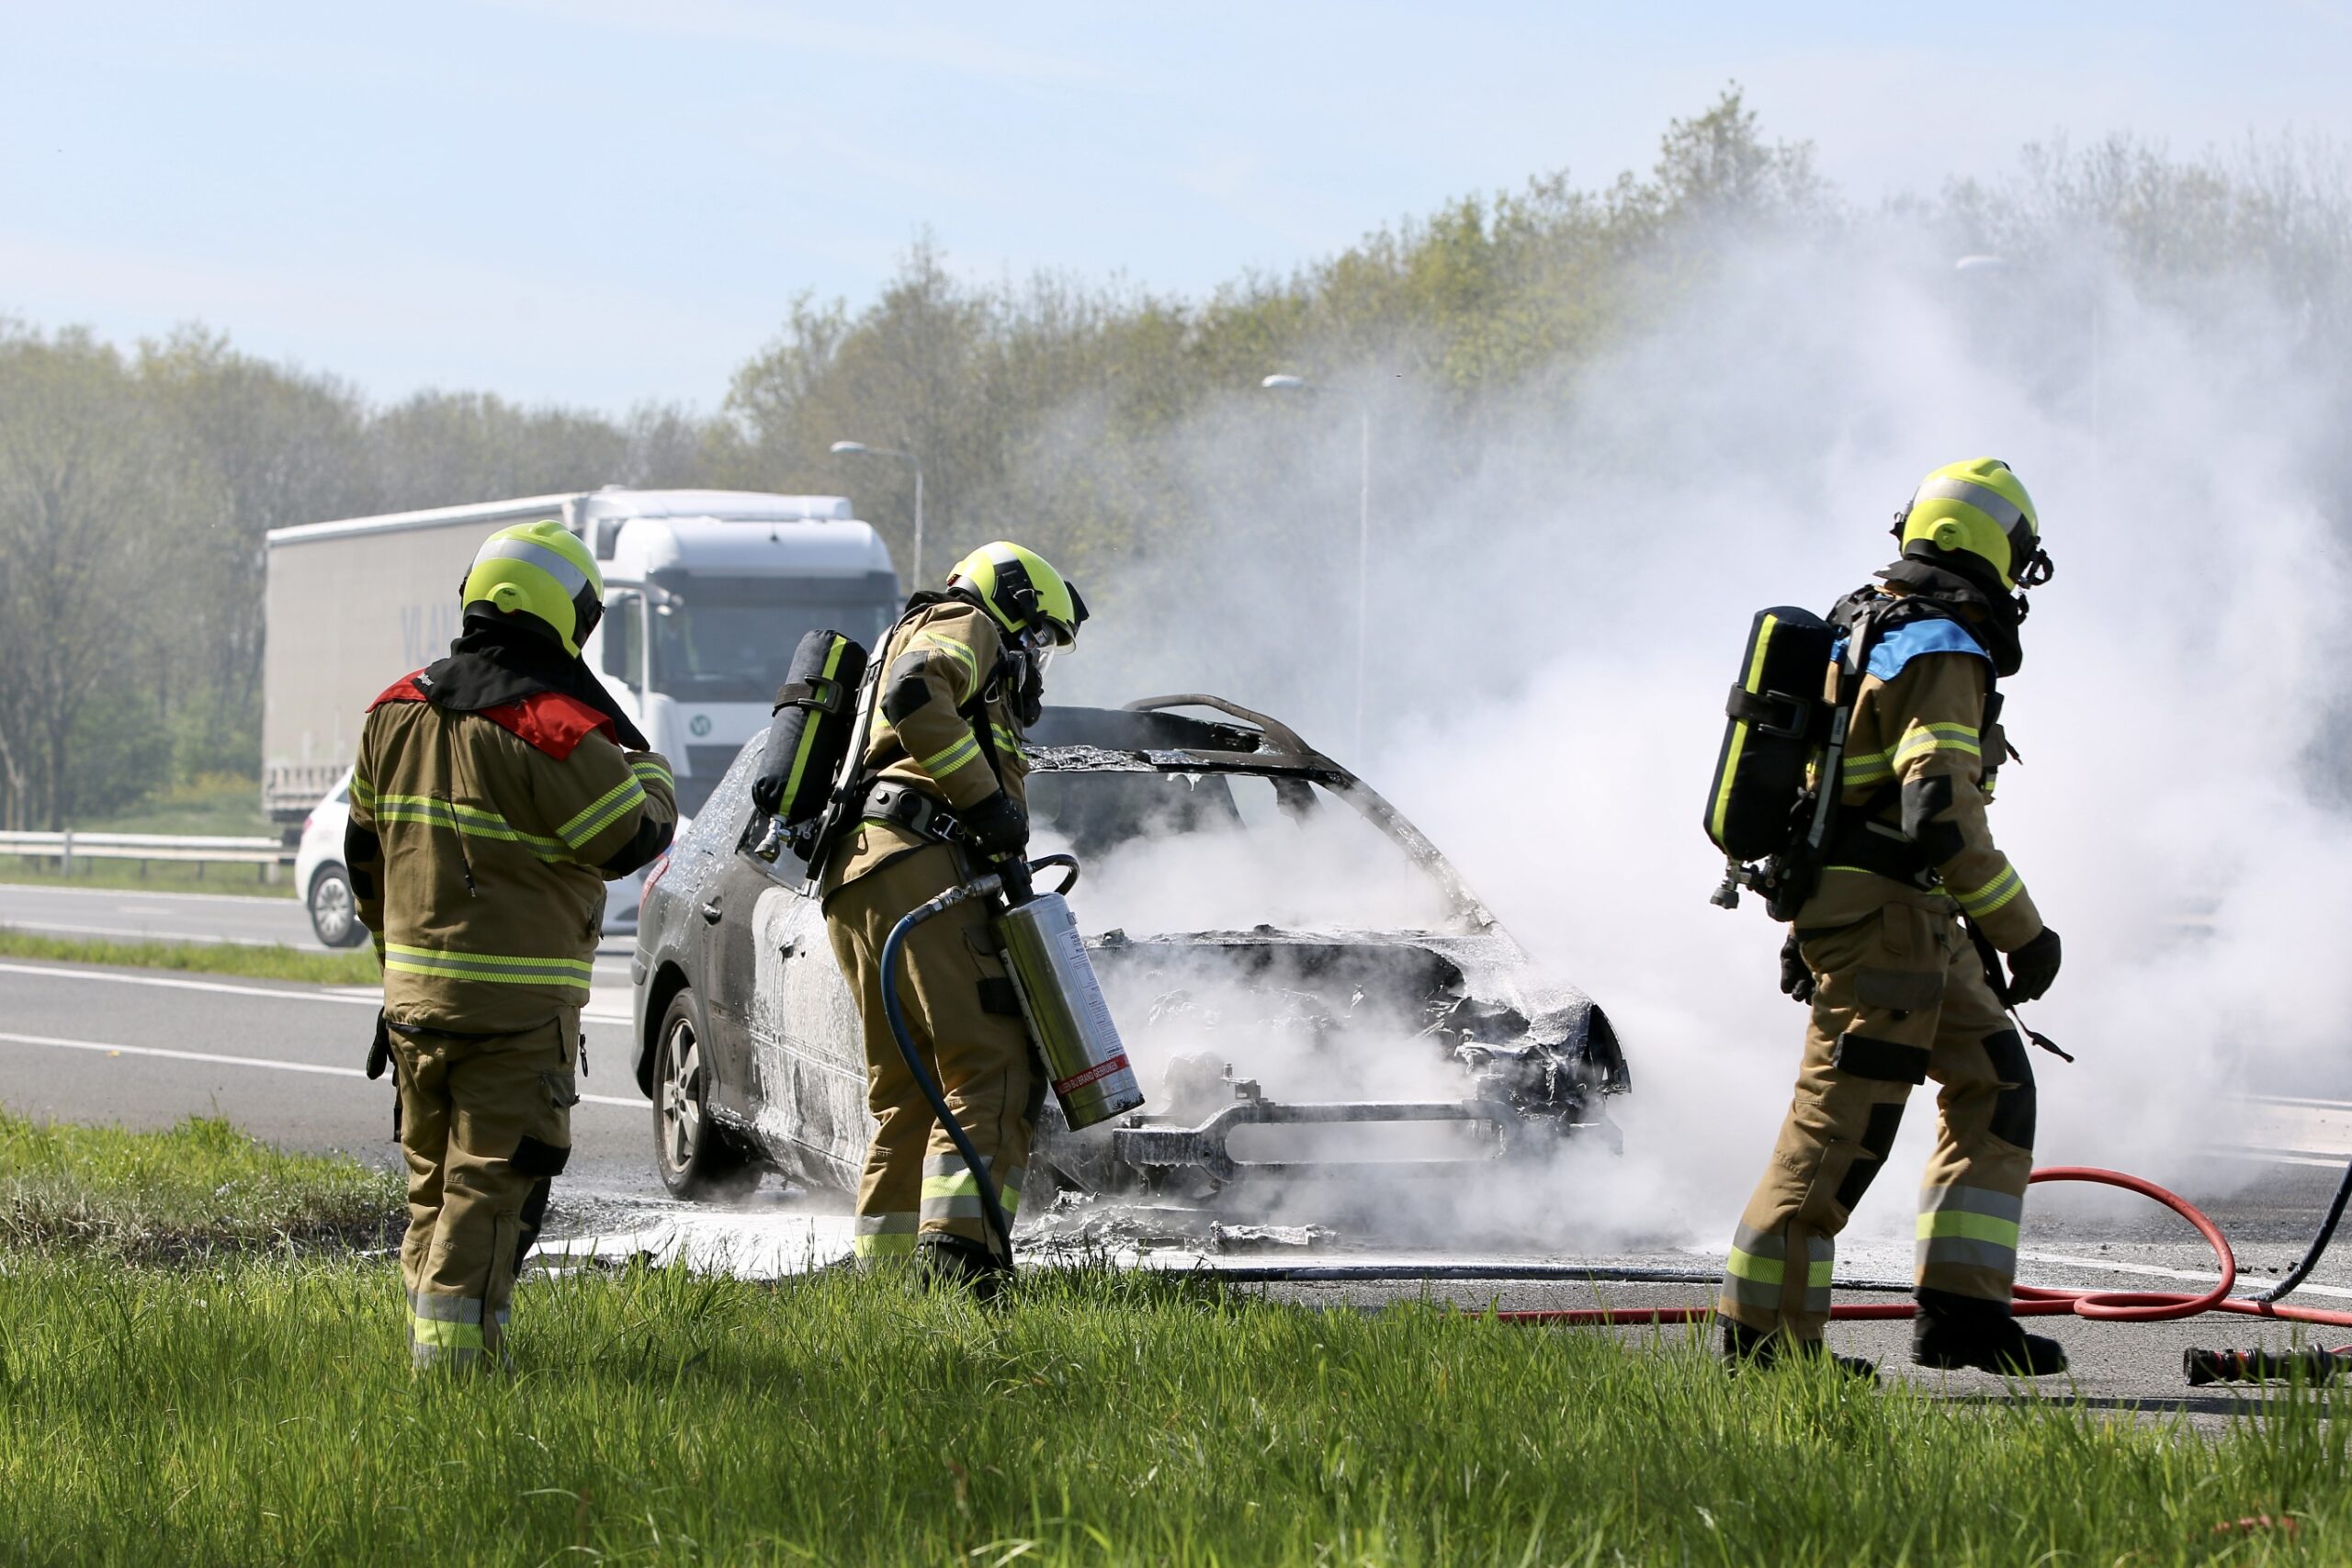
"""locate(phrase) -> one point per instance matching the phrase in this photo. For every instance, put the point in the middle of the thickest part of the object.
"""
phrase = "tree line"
(1108, 425)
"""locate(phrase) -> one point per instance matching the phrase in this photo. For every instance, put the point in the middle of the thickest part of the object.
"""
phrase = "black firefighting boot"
(1967, 1331)
(952, 1261)
(1744, 1347)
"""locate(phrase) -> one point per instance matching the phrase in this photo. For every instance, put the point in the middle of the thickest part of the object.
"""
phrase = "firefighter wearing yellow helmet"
(1893, 950)
(942, 776)
(495, 793)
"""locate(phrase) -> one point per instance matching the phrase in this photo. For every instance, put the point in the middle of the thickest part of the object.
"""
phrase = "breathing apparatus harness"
(1822, 828)
(859, 795)
(1037, 937)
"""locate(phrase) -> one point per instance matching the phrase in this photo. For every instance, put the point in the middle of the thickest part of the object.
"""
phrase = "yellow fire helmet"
(1978, 512)
(1022, 593)
(541, 570)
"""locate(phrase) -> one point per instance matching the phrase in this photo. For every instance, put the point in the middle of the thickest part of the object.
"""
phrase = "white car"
(325, 882)
(319, 875)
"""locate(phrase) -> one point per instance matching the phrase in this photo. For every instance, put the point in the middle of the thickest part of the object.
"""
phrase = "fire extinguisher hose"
(2032, 1301)
(991, 1204)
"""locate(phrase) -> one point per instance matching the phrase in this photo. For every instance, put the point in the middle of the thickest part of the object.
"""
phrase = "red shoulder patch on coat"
(401, 691)
(552, 722)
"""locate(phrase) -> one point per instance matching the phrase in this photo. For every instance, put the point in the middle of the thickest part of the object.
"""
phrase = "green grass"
(252, 1404)
(262, 1411)
(199, 1190)
(210, 958)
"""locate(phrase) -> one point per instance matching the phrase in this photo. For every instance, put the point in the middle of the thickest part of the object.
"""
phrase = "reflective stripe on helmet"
(572, 579)
(1991, 503)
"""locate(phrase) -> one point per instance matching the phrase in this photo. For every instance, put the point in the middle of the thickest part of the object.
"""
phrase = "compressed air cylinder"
(1068, 1017)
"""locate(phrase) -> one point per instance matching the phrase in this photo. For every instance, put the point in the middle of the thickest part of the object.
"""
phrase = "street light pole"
(1363, 558)
(860, 449)
(1364, 528)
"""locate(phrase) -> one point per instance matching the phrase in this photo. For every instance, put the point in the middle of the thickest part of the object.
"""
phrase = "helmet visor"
(1041, 646)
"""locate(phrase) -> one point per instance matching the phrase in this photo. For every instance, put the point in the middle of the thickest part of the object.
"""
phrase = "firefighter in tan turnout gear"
(1900, 989)
(961, 679)
(494, 793)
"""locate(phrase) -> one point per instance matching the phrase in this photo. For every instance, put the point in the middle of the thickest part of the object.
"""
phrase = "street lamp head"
(1286, 383)
(849, 449)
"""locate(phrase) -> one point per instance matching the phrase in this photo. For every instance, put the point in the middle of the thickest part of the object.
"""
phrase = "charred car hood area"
(1323, 1027)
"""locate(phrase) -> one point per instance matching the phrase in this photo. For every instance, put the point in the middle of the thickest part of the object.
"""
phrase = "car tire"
(335, 910)
(695, 1156)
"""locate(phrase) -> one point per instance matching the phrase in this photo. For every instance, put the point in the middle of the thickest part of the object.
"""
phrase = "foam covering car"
(1307, 987)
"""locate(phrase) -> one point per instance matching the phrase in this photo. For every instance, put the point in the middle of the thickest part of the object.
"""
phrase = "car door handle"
(710, 910)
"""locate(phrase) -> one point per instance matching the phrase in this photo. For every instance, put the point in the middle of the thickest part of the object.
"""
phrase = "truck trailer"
(706, 593)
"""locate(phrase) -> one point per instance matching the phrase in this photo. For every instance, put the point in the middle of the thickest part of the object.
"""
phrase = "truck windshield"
(732, 642)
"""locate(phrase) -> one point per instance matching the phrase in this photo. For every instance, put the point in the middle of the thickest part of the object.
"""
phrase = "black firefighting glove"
(1797, 976)
(380, 1050)
(995, 827)
(2033, 966)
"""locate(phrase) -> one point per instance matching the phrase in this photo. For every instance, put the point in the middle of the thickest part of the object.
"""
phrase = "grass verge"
(252, 1407)
(200, 1190)
(262, 1411)
(210, 958)
(160, 877)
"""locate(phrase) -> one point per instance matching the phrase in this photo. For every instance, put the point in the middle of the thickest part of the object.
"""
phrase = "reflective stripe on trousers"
(1755, 1274)
(1968, 1227)
(950, 1190)
(883, 1236)
(447, 1331)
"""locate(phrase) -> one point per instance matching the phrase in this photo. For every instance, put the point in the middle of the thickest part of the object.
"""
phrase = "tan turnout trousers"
(966, 1023)
(1900, 997)
(485, 1126)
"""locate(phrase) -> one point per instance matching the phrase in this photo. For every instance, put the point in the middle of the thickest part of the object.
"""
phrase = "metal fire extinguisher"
(1037, 937)
(1068, 1019)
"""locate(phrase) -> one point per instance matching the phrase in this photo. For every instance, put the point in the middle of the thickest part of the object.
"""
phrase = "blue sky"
(598, 202)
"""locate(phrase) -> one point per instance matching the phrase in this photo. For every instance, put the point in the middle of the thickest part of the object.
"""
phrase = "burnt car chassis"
(1537, 1058)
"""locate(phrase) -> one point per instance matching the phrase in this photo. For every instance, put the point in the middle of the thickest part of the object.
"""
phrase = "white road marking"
(171, 983)
(181, 1056)
(350, 995)
(112, 1050)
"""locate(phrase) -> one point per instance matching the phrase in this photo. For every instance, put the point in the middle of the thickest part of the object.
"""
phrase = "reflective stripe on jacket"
(479, 849)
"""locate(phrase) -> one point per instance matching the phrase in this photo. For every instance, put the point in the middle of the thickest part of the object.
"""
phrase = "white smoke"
(1558, 613)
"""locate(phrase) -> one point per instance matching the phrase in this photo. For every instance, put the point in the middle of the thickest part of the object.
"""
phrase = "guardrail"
(65, 848)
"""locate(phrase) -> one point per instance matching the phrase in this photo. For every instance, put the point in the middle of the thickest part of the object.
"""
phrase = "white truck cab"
(706, 594)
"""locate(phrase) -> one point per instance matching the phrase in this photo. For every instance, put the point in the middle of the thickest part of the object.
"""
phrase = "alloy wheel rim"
(682, 1096)
(332, 907)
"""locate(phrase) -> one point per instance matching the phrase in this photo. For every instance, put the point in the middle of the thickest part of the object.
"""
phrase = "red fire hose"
(2031, 1300)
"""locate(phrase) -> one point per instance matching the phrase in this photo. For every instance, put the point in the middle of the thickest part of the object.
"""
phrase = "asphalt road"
(134, 915)
(144, 1049)
(127, 915)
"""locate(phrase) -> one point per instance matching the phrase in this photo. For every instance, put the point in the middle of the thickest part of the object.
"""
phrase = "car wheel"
(334, 913)
(694, 1154)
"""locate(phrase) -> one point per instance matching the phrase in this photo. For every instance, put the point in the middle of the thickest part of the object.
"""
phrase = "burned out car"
(1302, 982)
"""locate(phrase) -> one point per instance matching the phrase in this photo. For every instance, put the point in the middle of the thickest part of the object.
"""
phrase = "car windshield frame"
(1311, 768)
